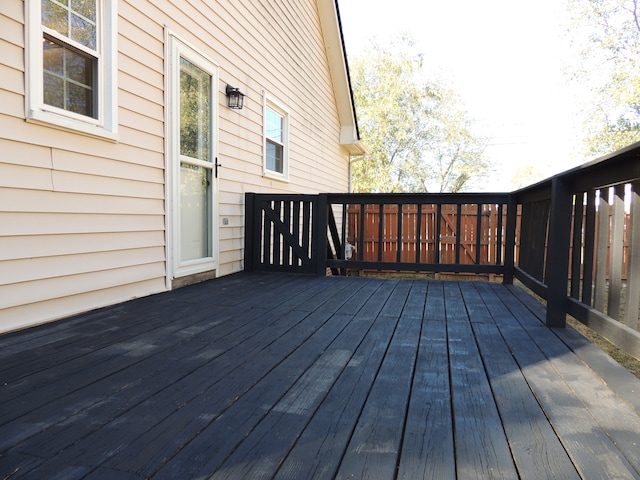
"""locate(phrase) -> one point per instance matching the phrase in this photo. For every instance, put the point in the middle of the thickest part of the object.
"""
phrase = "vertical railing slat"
(616, 250)
(380, 231)
(633, 265)
(576, 253)
(498, 240)
(295, 259)
(399, 235)
(478, 230)
(602, 248)
(419, 233)
(589, 248)
(458, 233)
(438, 242)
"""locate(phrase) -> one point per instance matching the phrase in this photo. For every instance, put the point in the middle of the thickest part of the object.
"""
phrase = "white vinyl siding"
(83, 216)
(82, 220)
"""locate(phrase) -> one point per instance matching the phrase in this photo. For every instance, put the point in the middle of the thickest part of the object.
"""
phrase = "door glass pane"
(195, 212)
(195, 111)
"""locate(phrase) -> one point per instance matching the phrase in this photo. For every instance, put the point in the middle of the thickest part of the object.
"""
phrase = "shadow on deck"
(300, 377)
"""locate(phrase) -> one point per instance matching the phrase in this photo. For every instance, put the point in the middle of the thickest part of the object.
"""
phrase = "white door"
(192, 147)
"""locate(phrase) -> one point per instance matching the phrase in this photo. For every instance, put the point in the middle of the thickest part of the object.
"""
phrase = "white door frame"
(175, 49)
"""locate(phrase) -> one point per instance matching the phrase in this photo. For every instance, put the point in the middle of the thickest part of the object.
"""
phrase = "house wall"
(82, 219)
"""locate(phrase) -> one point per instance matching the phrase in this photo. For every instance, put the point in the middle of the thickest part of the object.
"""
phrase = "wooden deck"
(293, 377)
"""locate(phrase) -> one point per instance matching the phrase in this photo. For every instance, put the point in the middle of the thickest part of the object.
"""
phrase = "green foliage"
(416, 131)
(610, 64)
(525, 176)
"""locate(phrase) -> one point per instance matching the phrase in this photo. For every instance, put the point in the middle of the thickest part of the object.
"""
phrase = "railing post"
(510, 240)
(319, 242)
(557, 268)
(249, 231)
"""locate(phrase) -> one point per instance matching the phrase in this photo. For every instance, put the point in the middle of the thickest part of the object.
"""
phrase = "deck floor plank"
(283, 376)
(482, 449)
(536, 448)
(318, 452)
(375, 444)
(169, 411)
(561, 383)
(428, 445)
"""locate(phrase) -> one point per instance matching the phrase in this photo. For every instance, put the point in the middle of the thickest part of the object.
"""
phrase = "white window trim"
(175, 48)
(278, 107)
(106, 125)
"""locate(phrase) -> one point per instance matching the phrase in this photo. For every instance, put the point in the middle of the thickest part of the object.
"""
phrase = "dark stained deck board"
(536, 449)
(482, 449)
(428, 445)
(284, 376)
(564, 388)
(375, 442)
(211, 387)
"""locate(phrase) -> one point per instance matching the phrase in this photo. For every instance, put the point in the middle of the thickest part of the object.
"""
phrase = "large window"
(276, 124)
(71, 64)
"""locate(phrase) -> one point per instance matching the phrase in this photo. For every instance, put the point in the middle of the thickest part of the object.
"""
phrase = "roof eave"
(339, 69)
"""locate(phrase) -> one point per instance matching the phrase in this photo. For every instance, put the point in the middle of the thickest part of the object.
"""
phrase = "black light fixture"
(235, 98)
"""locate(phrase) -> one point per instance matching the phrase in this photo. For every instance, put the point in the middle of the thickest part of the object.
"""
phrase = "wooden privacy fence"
(477, 239)
(455, 233)
(481, 242)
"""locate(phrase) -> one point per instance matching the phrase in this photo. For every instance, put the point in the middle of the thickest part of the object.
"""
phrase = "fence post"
(249, 231)
(319, 242)
(510, 240)
(557, 268)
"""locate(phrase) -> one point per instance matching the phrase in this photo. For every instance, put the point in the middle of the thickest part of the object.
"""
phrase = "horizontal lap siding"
(285, 50)
(260, 47)
(81, 219)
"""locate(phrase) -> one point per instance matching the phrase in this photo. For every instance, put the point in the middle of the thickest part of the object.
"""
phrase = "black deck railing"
(566, 238)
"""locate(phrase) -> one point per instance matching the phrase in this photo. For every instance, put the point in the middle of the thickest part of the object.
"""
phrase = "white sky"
(504, 57)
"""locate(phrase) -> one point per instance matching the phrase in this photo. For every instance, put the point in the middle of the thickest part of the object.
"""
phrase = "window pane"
(68, 79)
(86, 8)
(53, 90)
(79, 99)
(79, 68)
(195, 111)
(274, 123)
(275, 157)
(83, 31)
(195, 212)
(53, 57)
(76, 20)
(55, 16)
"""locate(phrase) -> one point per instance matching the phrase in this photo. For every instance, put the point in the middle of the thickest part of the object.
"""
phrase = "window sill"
(70, 125)
(275, 176)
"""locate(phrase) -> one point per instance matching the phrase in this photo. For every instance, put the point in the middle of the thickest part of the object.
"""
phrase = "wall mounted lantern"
(235, 98)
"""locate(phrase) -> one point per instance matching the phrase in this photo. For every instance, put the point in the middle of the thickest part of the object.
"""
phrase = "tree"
(416, 130)
(610, 61)
(525, 176)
